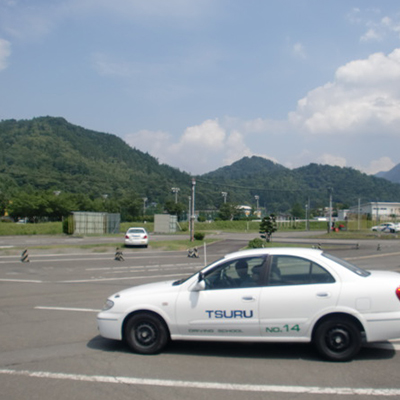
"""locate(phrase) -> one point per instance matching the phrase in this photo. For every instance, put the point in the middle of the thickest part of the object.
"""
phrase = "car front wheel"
(146, 333)
(338, 339)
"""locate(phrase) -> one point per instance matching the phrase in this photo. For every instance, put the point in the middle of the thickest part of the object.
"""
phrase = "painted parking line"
(21, 280)
(123, 278)
(205, 385)
(67, 309)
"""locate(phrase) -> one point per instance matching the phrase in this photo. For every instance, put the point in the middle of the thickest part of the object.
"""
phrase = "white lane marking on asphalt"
(144, 267)
(20, 280)
(66, 309)
(86, 256)
(205, 385)
(122, 278)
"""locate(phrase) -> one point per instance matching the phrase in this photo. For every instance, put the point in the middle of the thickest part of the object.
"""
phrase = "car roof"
(294, 251)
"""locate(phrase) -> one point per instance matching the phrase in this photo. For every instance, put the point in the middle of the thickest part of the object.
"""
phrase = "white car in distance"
(387, 227)
(262, 295)
(136, 237)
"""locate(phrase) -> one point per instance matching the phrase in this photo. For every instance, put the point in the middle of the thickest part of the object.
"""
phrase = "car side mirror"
(199, 286)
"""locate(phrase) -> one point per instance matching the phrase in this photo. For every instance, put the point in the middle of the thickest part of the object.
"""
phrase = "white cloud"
(299, 51)
(363, 101)
(330, 159)
(209, 135)
(153, 142)
(365, 94)
(383, 164)
(5, 52)
(377, 27)
(370, 35)
(201, 148)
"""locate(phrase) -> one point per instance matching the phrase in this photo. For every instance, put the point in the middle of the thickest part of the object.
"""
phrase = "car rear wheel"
(338, 339)
(146, 333)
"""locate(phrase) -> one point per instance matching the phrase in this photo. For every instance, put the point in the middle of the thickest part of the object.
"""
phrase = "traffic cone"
(24, 256)
(118, 255)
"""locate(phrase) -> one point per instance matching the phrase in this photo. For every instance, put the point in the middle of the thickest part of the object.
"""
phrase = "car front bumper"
(110, 325)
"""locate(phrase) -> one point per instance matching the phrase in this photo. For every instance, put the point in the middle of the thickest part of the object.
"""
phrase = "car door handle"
(248, 298)
(323, 294)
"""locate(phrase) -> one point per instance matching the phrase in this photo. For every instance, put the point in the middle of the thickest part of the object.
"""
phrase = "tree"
(228, 211)
(175, 208)
(268, 227)
(297, 211)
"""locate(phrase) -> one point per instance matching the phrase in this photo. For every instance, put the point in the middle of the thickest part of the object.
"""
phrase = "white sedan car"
(387, 227)
(136, 237)
(262, 295)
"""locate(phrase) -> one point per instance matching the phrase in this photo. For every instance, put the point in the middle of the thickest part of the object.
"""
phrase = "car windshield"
(353, 268)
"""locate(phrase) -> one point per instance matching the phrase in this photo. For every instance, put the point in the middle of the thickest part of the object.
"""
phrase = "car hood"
(149, 288)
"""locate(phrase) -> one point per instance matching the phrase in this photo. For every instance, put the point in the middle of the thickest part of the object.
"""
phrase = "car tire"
(338, 339)
(146, 333)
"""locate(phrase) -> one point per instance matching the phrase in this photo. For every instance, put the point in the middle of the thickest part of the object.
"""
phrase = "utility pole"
(192, 215)
(190, 212)
(144, 206)
(330, 190)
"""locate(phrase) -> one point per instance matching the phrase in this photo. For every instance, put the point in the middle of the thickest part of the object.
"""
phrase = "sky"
(200, 84)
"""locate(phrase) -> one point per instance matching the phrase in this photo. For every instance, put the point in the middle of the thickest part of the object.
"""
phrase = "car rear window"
(353, 268)
(135, 231)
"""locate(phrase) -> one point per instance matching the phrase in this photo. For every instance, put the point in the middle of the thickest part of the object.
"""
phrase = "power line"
(254, 188)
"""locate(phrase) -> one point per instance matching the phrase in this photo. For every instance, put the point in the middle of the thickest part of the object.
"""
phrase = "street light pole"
(257, 199)
(192, 216)
(175, 190)
(224, 195)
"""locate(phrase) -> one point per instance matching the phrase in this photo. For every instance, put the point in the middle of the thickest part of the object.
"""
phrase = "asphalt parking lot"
(50, 347)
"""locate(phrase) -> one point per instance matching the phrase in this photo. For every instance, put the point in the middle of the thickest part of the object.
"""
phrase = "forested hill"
(279, 188)
(49, 153)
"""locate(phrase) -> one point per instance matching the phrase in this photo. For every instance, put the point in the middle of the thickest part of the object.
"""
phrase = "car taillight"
(145, 237)
(126, 237)
(398, 292)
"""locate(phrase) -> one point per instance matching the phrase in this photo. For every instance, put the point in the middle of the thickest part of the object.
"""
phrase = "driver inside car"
(242, 269)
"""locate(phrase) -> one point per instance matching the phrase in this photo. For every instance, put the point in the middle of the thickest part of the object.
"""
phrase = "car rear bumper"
(136, 242)
(382, 326)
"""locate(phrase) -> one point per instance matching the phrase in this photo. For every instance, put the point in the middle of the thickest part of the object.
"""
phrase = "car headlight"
(109, 304)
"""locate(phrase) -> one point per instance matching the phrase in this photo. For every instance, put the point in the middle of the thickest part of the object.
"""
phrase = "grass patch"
(46, 228)
(179, 245)
(360, 235)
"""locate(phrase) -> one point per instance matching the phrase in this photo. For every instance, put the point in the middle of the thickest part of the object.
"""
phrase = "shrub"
(199, 235)
(256, 243)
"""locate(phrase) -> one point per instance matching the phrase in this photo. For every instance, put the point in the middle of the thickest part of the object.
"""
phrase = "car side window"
(234, 274)
(289, 270)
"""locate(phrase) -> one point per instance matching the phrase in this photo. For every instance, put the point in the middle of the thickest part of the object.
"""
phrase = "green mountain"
(279, 188)
(393, 175)
(50, 154)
